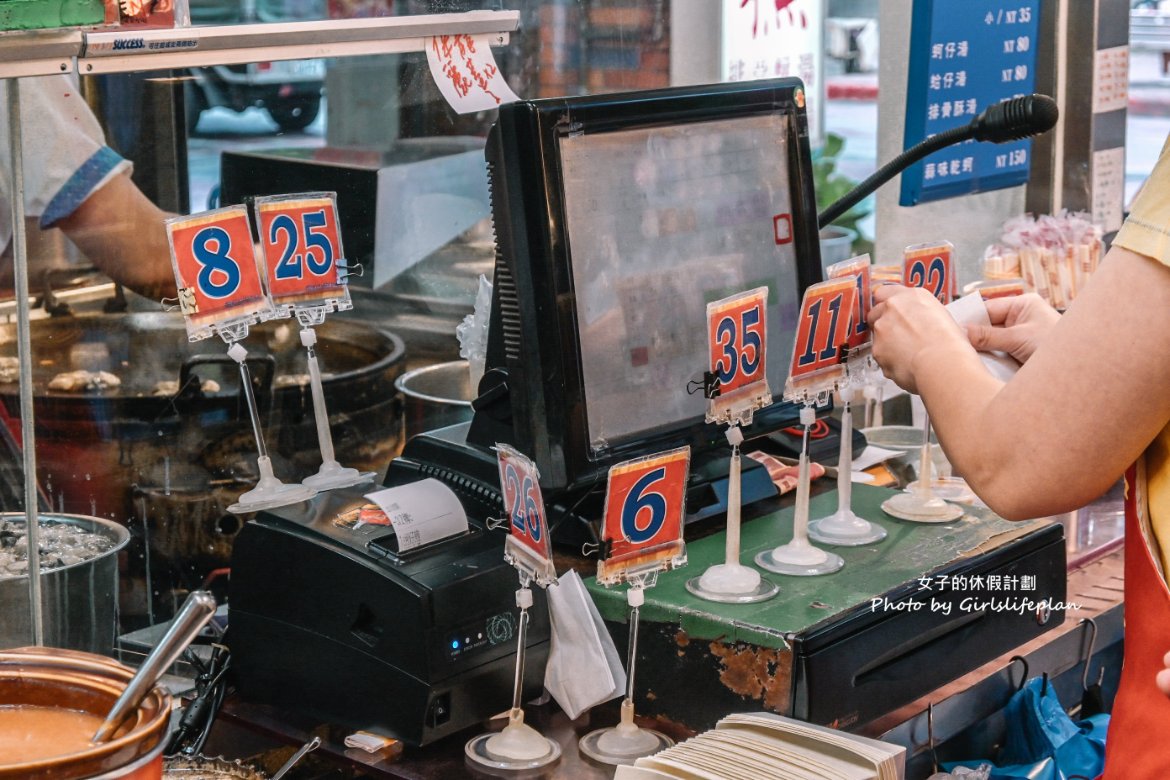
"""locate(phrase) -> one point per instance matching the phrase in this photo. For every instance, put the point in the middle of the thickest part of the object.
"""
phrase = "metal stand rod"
(632, 654)
(321, 415)
(240, 355)
(733, 508)
(800, 512)
(24, 353)
(521, 646)
(845, 459)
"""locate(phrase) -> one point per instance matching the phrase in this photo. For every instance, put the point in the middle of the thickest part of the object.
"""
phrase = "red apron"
(1138, 745)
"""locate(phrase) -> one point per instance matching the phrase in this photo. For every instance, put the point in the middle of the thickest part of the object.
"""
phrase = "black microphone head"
(1015, 118)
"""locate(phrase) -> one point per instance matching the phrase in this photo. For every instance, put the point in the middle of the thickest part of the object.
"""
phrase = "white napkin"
(969, 310)
(584, 668)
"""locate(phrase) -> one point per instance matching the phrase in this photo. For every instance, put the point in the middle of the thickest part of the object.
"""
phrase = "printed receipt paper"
(421, 512)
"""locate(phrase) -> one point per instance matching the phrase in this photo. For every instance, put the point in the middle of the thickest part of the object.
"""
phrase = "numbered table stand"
(519, 746)
(306, 276)
(927, 266)
(844, 527)
(737, 335)
(641, 536)
(220, 292)
(818, 368)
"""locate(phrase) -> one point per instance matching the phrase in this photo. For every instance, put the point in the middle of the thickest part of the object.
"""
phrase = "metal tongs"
(193, 616)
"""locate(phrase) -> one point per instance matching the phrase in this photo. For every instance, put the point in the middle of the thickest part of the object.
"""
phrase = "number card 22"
(527, 547)
(645, 502)
(215, 270)
(822, 336)
(302, 250)
(930, 266)
(737, 335)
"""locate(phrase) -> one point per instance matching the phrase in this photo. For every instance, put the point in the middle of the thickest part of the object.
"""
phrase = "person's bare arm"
(122, 233)
(1081, 410)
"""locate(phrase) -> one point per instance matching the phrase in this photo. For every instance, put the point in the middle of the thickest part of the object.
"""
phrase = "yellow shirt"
(1147, 232)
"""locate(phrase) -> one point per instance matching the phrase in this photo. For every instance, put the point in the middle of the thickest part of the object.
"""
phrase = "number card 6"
(929, 266)
(215, 269)
(645, 502)
(737, 338)
(822, 333)
(302, 250)
(528, 547)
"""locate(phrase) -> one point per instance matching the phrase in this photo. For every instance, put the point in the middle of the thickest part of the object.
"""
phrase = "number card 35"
(737, 336)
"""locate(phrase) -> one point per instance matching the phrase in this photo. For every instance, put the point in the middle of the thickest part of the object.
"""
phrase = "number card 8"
(929, 266)
(645, 502)
(822, 335)
(302, 250)
(737, 338)
(528, 547)
(215, 270)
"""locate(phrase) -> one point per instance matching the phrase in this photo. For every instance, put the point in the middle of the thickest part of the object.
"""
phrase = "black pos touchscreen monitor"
(618, 218)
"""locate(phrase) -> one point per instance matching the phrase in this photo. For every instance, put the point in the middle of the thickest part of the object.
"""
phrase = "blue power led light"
(454, 644)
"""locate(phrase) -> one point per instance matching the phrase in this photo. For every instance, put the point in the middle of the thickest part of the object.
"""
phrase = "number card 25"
(215, 269)
(929, 266)
(822, 335)
(528, 547)
(302, 248)
(645, 502)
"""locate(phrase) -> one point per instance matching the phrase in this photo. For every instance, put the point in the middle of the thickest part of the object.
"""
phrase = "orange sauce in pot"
(31, 733)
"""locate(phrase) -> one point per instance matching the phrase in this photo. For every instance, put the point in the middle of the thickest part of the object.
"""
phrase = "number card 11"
(737, 335)
(645, 502)
(930, 266)
(527, 547)
(216, 271)
(303, 257)
(822, 337)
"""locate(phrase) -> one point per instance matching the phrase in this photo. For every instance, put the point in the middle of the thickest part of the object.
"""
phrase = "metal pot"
(201, 768)
(79, 601)
(168, 465)
(67, 680)
(434, 397)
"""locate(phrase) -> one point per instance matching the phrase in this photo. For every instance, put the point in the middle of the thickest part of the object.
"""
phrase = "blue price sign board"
(216, 270)
(966, 55)
(645, 502)
(528, 547)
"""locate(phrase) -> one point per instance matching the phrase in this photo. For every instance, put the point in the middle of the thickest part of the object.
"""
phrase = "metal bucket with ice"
(79, 581)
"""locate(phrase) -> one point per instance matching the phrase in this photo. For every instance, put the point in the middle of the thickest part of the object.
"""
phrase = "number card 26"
(645, 502)
(822, 335)
(929, 266)
(528, 547)
(302, 249)
(215, 269)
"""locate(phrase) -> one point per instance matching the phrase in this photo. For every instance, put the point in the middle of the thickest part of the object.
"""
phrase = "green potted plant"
(842, 239)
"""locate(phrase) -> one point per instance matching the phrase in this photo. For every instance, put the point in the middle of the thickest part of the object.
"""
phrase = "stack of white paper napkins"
(762, 745)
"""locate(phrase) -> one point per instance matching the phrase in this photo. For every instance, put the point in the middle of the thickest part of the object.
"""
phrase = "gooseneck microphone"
(1009, 120)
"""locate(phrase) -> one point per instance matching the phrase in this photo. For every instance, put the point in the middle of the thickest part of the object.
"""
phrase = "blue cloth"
(80, 185)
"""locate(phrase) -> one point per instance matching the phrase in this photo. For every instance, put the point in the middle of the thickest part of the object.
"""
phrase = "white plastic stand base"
(517, 747)
(732, 583)
(921, 508)
(799, 559)
(333, 475)
(845, 529)
(624, 743)
(270, 492)
(948, 489)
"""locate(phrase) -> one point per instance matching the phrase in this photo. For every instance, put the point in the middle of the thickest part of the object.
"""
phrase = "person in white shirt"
(75, 182)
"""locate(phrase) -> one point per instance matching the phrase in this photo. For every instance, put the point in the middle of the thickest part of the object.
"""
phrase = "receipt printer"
(328, 618)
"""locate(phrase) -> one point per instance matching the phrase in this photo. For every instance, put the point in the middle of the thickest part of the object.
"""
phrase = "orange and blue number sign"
(215, 260)
(644, 507)
(929, 267)
(826, 316)
(737, 335)
(523, 502)
(302, 247)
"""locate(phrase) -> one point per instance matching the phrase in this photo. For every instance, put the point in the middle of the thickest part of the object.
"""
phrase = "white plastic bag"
(584, 668)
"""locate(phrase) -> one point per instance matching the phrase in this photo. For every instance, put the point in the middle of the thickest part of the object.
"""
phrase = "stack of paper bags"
(763, 745)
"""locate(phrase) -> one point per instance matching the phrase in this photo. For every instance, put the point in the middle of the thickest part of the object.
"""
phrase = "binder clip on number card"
(738, 337)
(220, 292)
(818, 368)
(928, 266)
(307, 278)
(641, 536)
(519, 746)
(844, 527)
